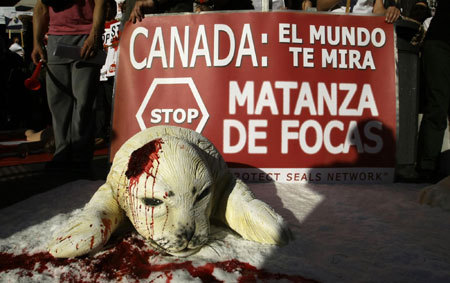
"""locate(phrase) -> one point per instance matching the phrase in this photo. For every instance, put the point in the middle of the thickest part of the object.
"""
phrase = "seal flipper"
(88, 231)
(252, 218)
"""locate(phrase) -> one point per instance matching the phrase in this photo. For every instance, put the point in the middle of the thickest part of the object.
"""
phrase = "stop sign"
(172, 101)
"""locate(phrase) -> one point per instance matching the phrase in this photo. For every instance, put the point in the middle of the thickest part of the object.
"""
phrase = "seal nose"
(189, 234)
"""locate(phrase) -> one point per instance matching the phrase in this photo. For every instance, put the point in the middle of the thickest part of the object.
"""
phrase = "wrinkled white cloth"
(16, 48)
(361, 7)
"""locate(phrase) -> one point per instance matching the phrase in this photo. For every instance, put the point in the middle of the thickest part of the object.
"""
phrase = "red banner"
(277, 93)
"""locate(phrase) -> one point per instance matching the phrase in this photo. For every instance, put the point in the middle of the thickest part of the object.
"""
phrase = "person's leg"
(100, 111)
(83, 115)
(437, 77)
(60, 101)
(109, 90)
(103, 109)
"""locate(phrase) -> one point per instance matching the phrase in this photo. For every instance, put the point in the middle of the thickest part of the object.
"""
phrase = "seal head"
(168, 197)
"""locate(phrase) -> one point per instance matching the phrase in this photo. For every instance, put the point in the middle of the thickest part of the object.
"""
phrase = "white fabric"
(426, 23)
(16, 48)
(361, 7)
(276, 4)
(26, 3)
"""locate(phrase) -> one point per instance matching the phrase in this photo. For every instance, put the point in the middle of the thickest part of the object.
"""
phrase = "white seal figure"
(169, 181)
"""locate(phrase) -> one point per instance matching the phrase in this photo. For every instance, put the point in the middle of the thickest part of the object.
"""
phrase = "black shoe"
(412, 175)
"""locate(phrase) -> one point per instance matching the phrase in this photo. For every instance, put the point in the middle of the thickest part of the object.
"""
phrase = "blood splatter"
(37, 262)
(107, 223)
(92, 242)
(142, 158)
(61, 239)
(141, 161)
(132, 258)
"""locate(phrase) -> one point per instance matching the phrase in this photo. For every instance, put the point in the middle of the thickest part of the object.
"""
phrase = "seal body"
(170, 182)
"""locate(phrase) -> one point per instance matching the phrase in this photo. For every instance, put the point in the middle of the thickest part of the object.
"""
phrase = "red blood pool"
(132, 258)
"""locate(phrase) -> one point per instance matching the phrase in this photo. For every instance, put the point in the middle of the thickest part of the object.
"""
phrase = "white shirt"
(361, 7)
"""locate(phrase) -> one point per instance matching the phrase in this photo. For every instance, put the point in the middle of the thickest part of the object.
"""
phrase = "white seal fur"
(169, 181)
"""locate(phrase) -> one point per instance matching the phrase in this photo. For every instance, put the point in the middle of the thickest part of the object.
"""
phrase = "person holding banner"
(211, 5)
(392, 13)
(420, 11)
(103, 103)
(300, 4)
(436, 65)
(140, 8)
(71, 83)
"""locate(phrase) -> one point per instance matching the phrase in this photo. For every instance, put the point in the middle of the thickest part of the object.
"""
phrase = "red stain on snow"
(131, 258)
(36, 262)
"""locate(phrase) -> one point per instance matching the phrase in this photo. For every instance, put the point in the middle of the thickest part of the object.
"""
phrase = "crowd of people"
(70, 83)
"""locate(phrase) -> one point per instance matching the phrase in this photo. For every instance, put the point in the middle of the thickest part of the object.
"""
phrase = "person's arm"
(142, 7)
(325, 5)
(40, 28)
(93, 42)
(392, 13)
(306, 4)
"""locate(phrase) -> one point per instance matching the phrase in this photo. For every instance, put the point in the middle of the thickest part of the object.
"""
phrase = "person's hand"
(140, 9)
(201, 8)
(392, 14)
(37, 54)
(306, 4)
(90, 46)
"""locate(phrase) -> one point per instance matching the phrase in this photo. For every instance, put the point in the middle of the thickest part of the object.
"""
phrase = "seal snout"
(188, 234)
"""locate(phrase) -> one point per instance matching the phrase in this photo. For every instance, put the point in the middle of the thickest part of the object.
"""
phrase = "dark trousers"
(103, 107)
(71, 89)
(436, 60)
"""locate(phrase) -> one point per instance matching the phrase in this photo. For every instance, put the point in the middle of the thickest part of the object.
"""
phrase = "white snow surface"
(342, 233)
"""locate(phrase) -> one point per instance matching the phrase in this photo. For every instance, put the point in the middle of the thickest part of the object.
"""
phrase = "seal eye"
(202, 195)
(152, 202)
